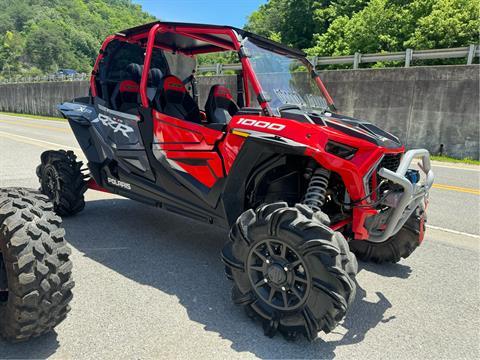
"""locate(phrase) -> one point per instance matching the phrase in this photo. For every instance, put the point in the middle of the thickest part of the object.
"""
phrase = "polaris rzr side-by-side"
(303, 189)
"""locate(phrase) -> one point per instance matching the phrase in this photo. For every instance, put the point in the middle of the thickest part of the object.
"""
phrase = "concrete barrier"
(425, 106)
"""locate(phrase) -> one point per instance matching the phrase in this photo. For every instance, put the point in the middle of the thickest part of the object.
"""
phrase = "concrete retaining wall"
(424, 106)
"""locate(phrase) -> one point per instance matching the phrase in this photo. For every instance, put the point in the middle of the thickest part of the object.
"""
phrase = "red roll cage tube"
(205, 34)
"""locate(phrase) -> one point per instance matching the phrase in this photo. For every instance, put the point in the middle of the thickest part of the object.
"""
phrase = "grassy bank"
(454, 160)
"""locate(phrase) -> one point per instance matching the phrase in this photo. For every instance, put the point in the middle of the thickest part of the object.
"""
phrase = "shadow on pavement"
(181, 257)
(388, 270)
(39, 348)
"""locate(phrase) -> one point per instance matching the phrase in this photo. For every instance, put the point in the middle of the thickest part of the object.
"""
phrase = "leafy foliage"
(41, 36)
(342, 27)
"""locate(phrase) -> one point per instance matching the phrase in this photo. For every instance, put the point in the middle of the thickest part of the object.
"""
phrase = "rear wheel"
(62, 181)
(290, 270)
(35, 270)
(399, 246)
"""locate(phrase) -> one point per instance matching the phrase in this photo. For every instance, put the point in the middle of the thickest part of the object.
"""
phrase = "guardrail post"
(219, 69)
(356, 60)
(471, 54)
(315, 62)
(408, 57)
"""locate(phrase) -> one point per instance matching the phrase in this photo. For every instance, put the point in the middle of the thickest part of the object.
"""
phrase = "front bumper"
(413, 195)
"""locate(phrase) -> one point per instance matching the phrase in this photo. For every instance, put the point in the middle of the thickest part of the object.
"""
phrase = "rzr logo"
(262, 124)
(114, 124)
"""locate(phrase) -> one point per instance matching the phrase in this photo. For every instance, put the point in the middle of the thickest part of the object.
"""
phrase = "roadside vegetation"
(343, 27)
(454, 160)
(39, 37)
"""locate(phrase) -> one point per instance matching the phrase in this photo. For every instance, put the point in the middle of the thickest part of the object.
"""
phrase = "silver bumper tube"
(413, 194)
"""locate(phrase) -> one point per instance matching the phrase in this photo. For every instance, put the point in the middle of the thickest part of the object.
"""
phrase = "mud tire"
(399, 246)
(62, 180)
(329, 269)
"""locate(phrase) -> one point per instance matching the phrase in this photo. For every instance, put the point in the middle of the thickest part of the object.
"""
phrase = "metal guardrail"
(44, 78)
(469, 53)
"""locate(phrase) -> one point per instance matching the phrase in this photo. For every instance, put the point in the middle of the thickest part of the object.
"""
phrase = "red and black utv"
(264, 154)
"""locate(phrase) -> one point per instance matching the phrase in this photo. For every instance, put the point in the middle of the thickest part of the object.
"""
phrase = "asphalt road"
(150, 284)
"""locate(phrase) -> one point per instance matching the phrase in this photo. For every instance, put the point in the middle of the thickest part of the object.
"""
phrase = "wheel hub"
(278, 274)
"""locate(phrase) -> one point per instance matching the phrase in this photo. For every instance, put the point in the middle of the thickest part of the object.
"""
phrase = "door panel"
(189, 149)
(118, 136)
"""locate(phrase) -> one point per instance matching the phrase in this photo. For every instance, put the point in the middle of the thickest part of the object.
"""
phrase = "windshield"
(285, 79)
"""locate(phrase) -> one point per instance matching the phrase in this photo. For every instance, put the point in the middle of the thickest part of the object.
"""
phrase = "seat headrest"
(220, 91)
(220, 106)
(155, 76)
(129, 86)
(134, 72)
(173, 89)
(220, 97)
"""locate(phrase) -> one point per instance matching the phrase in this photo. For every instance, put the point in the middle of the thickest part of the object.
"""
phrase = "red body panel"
(314, 138)
(184, 140)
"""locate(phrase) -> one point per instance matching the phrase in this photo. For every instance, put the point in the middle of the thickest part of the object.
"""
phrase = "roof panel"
(192, 43)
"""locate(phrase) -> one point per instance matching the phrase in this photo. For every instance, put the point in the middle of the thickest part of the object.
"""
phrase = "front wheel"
(290, 270)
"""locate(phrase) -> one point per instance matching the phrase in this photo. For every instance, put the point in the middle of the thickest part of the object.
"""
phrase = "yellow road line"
(457, 189)
(38, 126)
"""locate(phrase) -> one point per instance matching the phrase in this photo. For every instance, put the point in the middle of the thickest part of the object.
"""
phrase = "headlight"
(340, 150)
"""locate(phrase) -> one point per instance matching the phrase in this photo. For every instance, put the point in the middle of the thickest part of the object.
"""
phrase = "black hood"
(358, 128)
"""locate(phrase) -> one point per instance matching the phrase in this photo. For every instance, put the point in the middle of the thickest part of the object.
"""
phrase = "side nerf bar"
(413, 194)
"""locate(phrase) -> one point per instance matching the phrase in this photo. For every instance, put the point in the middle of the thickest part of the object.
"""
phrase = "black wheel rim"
(50, 183)
(278, 274)
(3, 281)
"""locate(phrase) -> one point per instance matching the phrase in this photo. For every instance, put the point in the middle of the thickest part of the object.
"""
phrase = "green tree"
(450, 23)
(394, 25)
(11, 50)
(60, 33)
(342, 27)
(293, 20)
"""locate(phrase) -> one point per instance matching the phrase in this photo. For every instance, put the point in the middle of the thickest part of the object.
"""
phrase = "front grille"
(390, 161)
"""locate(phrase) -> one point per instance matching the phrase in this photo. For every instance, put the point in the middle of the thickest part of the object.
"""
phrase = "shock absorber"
(317, 189)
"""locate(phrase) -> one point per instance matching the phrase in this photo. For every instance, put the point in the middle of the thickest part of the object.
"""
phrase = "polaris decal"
(119, 183)
(114, 123)
(262, 124)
